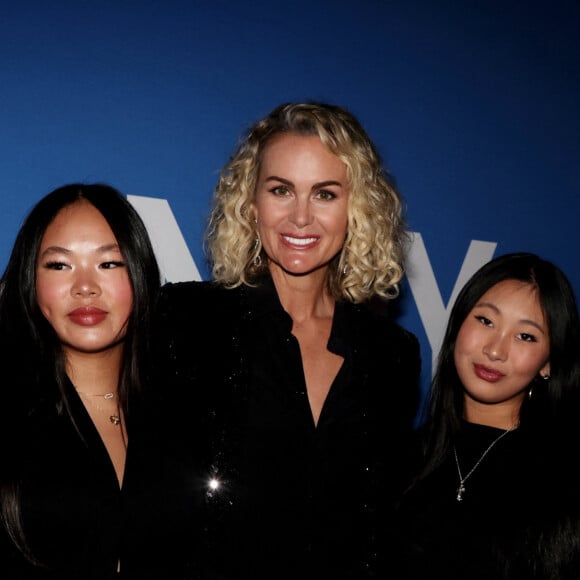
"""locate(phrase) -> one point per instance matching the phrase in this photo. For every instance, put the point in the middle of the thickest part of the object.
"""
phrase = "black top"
(508, 522)
(295, 500)
(77, 521)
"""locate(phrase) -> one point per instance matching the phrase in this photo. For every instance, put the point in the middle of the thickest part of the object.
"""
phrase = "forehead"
(80, 221)
(516, 299)
(295, 149)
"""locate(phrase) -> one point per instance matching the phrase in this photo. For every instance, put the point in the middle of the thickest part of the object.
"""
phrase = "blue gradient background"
(474, 106)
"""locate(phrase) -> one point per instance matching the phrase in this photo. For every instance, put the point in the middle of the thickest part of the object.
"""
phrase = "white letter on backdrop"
(424, 287)
(175, 261)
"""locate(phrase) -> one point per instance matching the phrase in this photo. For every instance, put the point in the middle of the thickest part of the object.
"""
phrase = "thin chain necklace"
(115, 418)
(462, 480)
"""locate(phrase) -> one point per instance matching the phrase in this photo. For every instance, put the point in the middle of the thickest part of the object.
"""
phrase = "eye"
(526, 337)
(280, 190)
(485, 321)
(326, 195)
(55, 265)
(112, 264)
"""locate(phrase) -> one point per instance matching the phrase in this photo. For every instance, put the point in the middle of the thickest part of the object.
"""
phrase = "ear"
(545, 371)
(254, 212)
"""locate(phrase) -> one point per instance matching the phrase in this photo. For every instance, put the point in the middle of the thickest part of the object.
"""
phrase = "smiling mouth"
(300, 241)
(487, 374)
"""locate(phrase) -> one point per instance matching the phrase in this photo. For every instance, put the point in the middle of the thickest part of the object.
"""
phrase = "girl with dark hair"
(75, 303)
(494, 490)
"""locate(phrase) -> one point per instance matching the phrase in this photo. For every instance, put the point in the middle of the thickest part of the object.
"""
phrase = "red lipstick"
(487, 374)
(87, 315)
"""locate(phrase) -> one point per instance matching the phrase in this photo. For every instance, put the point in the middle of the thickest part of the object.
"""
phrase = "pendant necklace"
(115, 418)
(462, 480)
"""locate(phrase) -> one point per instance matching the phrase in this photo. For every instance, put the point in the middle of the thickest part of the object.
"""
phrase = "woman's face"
(301, 204)
(502, 345)
(82, 284)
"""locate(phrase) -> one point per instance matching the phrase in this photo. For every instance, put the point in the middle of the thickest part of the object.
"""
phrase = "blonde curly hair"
(371, 260)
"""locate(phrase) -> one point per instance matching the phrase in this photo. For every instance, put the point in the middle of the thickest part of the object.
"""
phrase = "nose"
(497, 347)
(85, 285)
(301, 212)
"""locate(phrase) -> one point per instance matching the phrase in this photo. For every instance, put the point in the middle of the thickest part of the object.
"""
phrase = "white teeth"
(300, 241)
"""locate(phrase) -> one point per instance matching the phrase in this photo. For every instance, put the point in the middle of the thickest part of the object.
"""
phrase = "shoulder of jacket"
(382, 327)
(204, 290)
(199, 300)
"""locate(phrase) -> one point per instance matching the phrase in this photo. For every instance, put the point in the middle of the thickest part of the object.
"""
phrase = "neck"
(504, 415)
(94, 373)
(303, 297)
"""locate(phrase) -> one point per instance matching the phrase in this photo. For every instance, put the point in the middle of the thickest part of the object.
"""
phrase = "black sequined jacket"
(285, 498)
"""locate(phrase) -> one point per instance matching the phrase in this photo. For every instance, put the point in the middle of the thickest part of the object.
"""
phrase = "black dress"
(77, 520)
(290, 499)
(518, 506)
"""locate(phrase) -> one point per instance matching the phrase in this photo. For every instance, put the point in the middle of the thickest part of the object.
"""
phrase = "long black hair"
(29, 342)
(551, 400)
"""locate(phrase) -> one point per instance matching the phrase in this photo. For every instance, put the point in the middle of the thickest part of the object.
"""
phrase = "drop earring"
(345, 265)
(257, 261)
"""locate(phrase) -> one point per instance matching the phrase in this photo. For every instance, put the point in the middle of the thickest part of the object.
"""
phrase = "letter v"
(433, 313)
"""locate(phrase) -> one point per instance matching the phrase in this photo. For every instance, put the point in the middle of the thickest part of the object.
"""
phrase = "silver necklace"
(462, 480)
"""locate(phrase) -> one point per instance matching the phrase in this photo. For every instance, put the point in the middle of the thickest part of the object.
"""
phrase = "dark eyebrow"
(326, 184)
(497, 311)
(315, 186)
(280, 179)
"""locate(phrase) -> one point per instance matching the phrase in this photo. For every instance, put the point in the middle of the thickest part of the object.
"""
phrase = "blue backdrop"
(474, 106)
